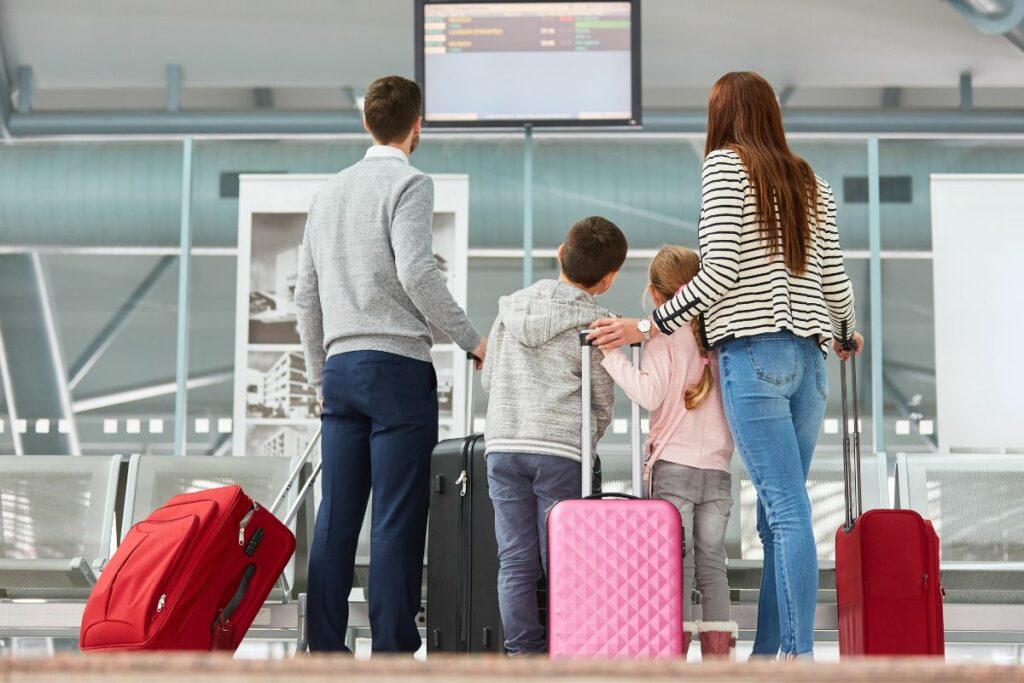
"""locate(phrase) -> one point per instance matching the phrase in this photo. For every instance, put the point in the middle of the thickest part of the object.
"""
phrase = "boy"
(532, 375)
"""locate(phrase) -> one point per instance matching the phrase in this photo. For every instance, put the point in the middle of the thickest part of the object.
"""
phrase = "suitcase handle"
(586, 434)
(221, 626)
(597, 496)
(470, 360)
(294, 475)
(852, 482)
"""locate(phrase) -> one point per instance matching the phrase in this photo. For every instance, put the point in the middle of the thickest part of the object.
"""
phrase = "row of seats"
(58, 516)
(973, 499)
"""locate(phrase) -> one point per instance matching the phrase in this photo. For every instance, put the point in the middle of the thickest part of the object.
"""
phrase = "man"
(368, 283)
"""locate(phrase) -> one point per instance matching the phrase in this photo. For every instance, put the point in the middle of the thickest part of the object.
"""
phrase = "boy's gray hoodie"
(532, 372)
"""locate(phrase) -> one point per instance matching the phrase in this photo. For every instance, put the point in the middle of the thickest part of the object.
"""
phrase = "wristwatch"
(644, 326)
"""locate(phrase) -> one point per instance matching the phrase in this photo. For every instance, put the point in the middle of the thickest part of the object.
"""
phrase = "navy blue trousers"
(379, 429)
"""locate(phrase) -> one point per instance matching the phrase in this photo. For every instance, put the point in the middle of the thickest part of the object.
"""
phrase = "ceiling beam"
(95, 350)
(946, 121)
(785, 95)
(891, 97)
(966, 91)
(164, 387)
(26, 88)
(263, 98)
(174, 87)
(5, 92)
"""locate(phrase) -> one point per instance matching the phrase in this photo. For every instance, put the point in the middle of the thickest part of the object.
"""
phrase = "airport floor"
(156, 668)
(1001, 654)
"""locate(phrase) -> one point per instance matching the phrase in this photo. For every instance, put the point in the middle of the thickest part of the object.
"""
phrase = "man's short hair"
(593, 248)
(391, 107)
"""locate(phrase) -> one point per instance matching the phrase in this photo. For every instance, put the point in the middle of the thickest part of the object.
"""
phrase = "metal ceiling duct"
(988, 17)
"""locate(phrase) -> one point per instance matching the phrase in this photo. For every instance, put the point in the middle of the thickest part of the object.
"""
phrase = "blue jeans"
(379, 429)
(523, 488)
(774, 388)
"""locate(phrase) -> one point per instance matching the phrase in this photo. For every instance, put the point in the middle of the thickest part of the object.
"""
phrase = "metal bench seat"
(56, 523)
(974, 500)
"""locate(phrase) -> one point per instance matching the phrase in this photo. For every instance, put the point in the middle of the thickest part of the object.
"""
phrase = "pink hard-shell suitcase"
(615, 567)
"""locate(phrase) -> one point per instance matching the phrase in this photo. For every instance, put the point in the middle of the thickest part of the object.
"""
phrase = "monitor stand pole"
(528, 205)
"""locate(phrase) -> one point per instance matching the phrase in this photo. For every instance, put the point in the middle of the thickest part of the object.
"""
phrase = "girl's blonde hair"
(671, 268)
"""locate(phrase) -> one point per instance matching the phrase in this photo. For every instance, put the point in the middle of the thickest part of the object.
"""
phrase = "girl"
(773, 292)
(689, 446)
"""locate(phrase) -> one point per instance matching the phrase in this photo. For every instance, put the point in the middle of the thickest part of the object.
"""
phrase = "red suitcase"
(888, 586)
(615, 568)
(193, 574)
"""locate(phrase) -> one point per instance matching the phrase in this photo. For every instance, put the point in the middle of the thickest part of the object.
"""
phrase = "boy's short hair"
(391, 107)
(593, 248)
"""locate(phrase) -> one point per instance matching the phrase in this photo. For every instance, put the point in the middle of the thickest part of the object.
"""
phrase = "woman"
(772, 292)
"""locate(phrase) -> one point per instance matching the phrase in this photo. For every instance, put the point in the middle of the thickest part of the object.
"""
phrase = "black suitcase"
(462, 553)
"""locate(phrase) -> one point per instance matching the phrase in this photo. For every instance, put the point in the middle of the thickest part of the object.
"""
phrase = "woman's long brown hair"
(671, 268)
(744, 116)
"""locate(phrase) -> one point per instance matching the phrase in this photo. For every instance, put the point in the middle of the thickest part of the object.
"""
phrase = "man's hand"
(858, 345)
(611, 333)
(480, 352)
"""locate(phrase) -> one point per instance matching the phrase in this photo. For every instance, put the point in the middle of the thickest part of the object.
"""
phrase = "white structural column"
(184, 274)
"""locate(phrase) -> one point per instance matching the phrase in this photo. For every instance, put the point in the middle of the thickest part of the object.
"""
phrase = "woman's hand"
(858, 345)
(611, 333)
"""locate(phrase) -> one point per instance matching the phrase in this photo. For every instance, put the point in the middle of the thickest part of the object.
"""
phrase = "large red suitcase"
(193, 574)
(888, 586)
(615, 567)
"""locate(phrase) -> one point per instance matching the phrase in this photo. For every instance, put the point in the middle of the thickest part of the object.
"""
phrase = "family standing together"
(734, 360)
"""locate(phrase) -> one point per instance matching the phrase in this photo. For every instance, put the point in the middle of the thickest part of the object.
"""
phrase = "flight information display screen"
(499, 64)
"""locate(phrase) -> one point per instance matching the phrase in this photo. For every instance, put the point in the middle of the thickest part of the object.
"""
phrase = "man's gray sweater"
(533, 374)
(367, 278)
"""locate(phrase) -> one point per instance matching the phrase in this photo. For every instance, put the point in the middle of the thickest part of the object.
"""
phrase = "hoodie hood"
(546, 309)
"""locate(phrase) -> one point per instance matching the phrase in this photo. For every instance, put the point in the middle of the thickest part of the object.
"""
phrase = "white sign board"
(275, 411)
(978, 247)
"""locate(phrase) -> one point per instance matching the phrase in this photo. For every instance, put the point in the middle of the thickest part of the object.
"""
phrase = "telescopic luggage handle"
(470, 360)
(293, 477)
(851, 442)
(586, 435)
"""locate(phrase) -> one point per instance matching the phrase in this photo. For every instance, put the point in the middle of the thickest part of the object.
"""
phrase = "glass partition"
(906, 167)
(103, 219)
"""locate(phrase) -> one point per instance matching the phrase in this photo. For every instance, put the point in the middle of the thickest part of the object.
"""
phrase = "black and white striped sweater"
(742, 290)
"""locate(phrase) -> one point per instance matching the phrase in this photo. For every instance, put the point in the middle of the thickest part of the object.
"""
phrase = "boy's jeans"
(774, 387)
(523, 487)
(704, 500)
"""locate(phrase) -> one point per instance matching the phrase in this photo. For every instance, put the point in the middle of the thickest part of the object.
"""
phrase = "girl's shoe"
(689, 628)
(718, 639)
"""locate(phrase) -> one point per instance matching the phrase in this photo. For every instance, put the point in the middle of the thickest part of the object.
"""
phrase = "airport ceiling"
(112, 54)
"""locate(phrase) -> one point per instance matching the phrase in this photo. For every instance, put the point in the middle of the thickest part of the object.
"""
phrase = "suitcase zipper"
(160, 603)
(245, 521)
(464, 568)
(191, 571)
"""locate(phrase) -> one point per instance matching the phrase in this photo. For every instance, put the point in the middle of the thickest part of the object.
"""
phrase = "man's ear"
(366, 127)
(609, 279)
(418, 126)
(558, 254)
